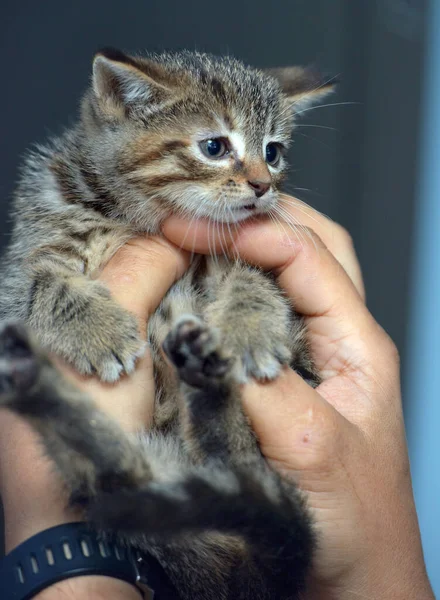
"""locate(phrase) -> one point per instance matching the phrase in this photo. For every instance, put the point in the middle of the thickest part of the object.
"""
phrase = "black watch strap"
(73, 550)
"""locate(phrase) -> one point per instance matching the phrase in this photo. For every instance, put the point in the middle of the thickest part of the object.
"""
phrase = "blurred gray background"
(356, 160)
(360, 171)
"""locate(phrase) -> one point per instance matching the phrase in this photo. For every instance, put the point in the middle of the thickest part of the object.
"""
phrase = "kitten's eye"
(273, 154)
(214, 148)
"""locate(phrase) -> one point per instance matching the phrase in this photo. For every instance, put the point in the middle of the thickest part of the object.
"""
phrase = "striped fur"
(135, 156)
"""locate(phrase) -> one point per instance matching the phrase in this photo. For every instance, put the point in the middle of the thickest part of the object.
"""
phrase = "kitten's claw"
(99, 337)
(18, 362)
(111, 347)
(194, 349)
(262, 363)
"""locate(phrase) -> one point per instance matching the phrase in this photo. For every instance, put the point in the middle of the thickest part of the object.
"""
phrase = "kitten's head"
(192, 133)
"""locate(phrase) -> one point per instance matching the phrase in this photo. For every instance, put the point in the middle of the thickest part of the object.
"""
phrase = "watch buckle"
(141, 579)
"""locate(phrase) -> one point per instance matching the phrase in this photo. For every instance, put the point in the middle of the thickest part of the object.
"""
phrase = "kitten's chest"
(191, 294)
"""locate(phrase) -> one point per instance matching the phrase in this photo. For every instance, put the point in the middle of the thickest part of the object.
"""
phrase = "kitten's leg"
(213, 424)
(77, 319)
(111, 475)
(180, 299)
(243, 498)
(91, 452)
(270, 517)
(257, 323)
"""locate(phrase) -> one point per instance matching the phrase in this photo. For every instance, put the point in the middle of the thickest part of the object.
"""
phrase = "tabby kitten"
(200, 136)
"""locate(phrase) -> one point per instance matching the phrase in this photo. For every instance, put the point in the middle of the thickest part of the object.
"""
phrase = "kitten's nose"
(260, 187)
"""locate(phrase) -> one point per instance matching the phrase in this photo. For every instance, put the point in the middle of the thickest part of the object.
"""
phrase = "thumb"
(141, 272)
(138, 276)
(297, 429)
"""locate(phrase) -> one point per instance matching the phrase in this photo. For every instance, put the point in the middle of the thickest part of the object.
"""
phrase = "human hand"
(138, 276)
(344, 442)
(330, 439)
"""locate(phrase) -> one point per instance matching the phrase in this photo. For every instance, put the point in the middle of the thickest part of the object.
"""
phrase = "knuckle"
(312, 234)
(151, 253)
(388, 351)
(124, 272)
(344, 237)
(391, 350)
(309, 240)
(130, 263)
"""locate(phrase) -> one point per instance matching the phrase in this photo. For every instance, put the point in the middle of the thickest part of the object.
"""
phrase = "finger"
(305, 268)
(141, 272)
(297, 214)
(138, 277)
(344, 337)
(202, 237)
(129, 401)
(199, 235)
(296, 428)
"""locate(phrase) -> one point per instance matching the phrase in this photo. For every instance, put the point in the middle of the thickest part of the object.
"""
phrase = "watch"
(73, 550)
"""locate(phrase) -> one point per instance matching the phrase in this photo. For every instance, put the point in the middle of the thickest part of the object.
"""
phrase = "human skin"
(343, 442)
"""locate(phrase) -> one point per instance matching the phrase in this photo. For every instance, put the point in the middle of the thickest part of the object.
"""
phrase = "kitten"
(201, 136)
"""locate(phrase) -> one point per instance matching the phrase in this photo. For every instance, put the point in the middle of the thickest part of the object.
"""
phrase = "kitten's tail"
(270, 517)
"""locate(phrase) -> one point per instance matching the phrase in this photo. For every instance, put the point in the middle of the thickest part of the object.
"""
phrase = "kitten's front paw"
(109, 346)
(263, 363)
(259, 353)
(194, 349)
(91, 332)
(19, 365)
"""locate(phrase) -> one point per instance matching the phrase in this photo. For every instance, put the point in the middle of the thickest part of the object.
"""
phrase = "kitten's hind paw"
(194, 349)
(19, 365)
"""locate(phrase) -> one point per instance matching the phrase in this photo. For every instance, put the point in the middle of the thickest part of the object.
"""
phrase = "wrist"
(32, 492)
(91, 587)
(387, 582)
(73, 561)
(384, 591)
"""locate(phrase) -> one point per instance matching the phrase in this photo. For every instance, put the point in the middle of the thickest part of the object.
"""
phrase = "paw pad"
(194, 348)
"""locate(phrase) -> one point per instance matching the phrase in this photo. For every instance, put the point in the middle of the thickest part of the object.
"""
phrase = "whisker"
(280, 221)
(294, 188)
(305, 208)
(296, 226)
(194, 218)
(222, 235)
(327, 105)
(234, 245)
(223, 239)
(187, 231)
(284, 210)
(220, 229)
(194, 241)
(316, 89)
(324, 83)
(214, 226)
(304, 229)
(317, 140)
(300, 125)
(209, 239)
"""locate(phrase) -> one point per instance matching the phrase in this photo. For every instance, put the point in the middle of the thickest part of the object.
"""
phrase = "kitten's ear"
(120, 80)
(302, 86)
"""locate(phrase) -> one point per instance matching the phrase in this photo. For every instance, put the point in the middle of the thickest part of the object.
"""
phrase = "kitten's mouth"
(245, 207)
(235, 214)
